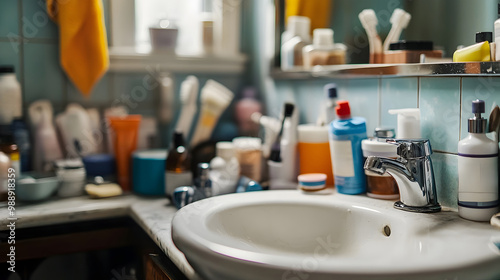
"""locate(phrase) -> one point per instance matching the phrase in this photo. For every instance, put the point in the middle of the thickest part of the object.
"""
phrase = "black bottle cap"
(331, 90)
(6, 69)
(484, 36)
(412, 46)
(478, 106)
(178, 139)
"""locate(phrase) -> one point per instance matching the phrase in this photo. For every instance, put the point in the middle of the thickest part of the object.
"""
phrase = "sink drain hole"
(386, 231)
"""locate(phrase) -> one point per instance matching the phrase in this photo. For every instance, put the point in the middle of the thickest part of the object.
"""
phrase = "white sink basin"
(290, 235)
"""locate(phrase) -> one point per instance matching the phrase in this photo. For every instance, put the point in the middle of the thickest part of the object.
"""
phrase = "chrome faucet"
(413, 173)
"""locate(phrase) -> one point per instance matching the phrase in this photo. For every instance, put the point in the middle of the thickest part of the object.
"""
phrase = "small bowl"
(36, 186)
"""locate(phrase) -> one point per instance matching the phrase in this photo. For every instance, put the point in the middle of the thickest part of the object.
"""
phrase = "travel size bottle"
(177, 167)
(345, 134)
(477, 170)
(323, 51)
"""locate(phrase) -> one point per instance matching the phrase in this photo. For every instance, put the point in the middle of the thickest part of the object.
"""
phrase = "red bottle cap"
(343, 110)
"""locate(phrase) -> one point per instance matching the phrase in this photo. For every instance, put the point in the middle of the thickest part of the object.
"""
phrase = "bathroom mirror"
(447, 23)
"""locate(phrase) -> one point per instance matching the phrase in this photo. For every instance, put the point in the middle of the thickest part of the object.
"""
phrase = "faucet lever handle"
(412, 148)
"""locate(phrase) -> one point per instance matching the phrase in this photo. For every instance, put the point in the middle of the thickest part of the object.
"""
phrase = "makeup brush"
(276, 148)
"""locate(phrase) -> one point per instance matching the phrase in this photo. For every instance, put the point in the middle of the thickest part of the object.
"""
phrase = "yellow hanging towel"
(318, 11)
(83, 44)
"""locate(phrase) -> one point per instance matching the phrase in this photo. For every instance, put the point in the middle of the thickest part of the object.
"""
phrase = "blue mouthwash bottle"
(345, 134)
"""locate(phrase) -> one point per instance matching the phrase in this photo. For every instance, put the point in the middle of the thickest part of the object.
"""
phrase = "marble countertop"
(154, 215)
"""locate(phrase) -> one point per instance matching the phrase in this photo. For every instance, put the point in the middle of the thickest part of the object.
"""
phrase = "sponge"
(104, 190)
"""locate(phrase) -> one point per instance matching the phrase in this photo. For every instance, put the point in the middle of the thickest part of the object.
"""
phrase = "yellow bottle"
(475, 53)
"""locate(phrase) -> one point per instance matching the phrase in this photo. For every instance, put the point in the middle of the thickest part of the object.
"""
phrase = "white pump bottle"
(477, 170)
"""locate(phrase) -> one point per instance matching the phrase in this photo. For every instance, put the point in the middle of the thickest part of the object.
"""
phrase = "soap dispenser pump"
(408, 123)
(477, 170)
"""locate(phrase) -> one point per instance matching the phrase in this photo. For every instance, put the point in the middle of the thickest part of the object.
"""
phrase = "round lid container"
(225, 149)
(312, 181)
(247, 143)
(372, 147)
(148, 172)
(99, 165)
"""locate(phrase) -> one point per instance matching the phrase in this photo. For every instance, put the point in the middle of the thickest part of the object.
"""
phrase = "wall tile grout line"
(21, 51)
(31, 40)
(460, 111)
(379, 93)
(418, 92)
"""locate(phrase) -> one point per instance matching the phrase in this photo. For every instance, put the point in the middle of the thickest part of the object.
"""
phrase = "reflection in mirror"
(448, 24)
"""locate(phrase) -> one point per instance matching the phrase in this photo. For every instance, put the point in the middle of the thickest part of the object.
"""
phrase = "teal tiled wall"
(29, 40)
(444, 103)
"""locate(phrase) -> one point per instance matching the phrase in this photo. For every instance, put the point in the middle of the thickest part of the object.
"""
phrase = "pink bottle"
(244, 108)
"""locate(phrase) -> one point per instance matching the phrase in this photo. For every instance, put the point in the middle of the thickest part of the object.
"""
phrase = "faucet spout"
(413, 173)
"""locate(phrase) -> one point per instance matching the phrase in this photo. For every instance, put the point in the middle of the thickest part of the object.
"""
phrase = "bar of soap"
(105, 190)
(495, 220)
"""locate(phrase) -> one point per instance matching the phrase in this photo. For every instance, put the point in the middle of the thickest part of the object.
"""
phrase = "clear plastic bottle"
(177, 167)
(10, 95)
(477, 170)
(225, 169)
(346, 134)
(294, 39)
(327, 114)
(323, 51)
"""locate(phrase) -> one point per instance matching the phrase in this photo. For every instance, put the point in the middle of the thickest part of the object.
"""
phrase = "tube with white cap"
(408, 123)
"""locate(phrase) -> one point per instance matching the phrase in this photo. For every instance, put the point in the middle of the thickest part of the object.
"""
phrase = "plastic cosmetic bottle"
(408, 123)
(294, 39)
(10, 95)
(345, 134)
(177, 168)
(327, 114)
(244, 109)
(477, 170)
(323, 51)
(497, 37)
(225, 169)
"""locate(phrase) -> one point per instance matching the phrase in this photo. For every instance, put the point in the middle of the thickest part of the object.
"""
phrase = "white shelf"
(131, 60)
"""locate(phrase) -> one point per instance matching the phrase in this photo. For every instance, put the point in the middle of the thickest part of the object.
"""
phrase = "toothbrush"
(369, 21)
(188, 94)
(399, 20)
(276, 147)
(271, 129)
(214, 100)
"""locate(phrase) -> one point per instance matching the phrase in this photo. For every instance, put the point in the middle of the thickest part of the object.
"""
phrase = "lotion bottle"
(477, 170)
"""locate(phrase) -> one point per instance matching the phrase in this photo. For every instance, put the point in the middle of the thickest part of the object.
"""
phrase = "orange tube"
(125, 142)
